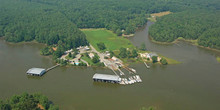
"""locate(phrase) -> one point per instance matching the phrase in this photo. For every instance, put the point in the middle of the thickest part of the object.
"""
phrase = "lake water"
(192, 85)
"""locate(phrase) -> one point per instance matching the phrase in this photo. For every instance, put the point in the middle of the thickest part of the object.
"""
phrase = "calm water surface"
(192, 85)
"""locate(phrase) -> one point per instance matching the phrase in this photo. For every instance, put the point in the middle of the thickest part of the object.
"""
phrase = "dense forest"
(202, 25)
(27, 101)
(25, 21)
(57, 21)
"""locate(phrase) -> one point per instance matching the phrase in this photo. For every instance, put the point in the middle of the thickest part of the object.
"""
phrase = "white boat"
(138, 78)
(126, 81)
(133, 70)
(122, 82)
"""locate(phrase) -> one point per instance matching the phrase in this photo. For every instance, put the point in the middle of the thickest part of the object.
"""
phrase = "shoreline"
(128, 61)
(192, 42)
(23, 42)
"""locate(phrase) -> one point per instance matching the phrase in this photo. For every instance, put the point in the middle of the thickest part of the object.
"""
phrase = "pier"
(48, 69)
(146, 65)
(114, 71)
(40, 71)
(121, 73)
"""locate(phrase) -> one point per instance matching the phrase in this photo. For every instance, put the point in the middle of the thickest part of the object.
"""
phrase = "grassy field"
(218, 59)
(161, 14)
(111, 40)
(88, 60)
(155, 15)
(113, 43)
(171, 61)
(195, 42)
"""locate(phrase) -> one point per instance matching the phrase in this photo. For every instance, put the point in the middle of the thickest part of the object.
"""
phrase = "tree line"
(203, 25)
(27, 101)
(53, 21)
(24, 21)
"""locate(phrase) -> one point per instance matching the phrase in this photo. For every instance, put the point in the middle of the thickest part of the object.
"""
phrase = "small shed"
(106, 78)
(36, 71)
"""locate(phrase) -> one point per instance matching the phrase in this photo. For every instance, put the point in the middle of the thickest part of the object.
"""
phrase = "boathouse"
(106, 78)
(36, 71)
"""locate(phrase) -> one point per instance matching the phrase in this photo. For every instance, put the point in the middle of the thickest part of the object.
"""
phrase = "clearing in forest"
(161, 14)
(111, 40)
(155, 15)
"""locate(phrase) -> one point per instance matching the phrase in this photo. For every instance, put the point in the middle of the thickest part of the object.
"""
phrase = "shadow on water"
(35, 77)
(106, 85)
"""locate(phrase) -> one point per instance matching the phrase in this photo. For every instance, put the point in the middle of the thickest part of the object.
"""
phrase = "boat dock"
(146, 65)
(114, 71)
(40, 71)
(121, 73)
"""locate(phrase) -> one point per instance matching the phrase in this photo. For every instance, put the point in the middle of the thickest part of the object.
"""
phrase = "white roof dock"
(36, 71)
(106, 77)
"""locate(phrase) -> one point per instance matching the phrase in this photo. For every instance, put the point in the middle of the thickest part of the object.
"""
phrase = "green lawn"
(111, 40)
(89, 60)
(171, 61)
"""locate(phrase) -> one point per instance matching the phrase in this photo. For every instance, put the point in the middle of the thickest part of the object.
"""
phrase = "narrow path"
(85, 62)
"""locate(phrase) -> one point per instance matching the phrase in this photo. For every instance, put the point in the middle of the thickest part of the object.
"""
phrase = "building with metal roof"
(106, 78)
(36, 71)
(150, 55)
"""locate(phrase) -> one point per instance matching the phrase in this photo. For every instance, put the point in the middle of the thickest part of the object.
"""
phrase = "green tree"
(53, 107)
(70, 55)
(101, 46)
(163, 61)
(4, 106)
(123, 52)
(143, 47)
(134, 53)
(154, 59)
(27, 101)
(95, 59)
(111, 53)
(129, 55)
(118, 32)
(45, 51)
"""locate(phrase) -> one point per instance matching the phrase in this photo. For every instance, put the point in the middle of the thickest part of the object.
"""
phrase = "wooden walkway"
(128, 69)
(146, 65)
(121, 73)
(48, 69)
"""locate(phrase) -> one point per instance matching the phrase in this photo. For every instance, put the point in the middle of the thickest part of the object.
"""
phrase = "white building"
(36, 71)
(114, 58)
(150, 55)
(91, 55)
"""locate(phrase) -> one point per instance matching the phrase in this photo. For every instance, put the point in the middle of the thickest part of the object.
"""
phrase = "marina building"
(106, 78)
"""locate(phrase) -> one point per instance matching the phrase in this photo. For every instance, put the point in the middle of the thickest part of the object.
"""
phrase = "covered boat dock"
(106, 78)
(36, 71)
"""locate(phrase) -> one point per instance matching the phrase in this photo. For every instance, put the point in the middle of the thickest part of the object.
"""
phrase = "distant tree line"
(54, 21)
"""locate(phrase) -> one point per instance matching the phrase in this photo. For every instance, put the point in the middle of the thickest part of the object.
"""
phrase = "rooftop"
(106, 77)
(37, 71)
(152, 54)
